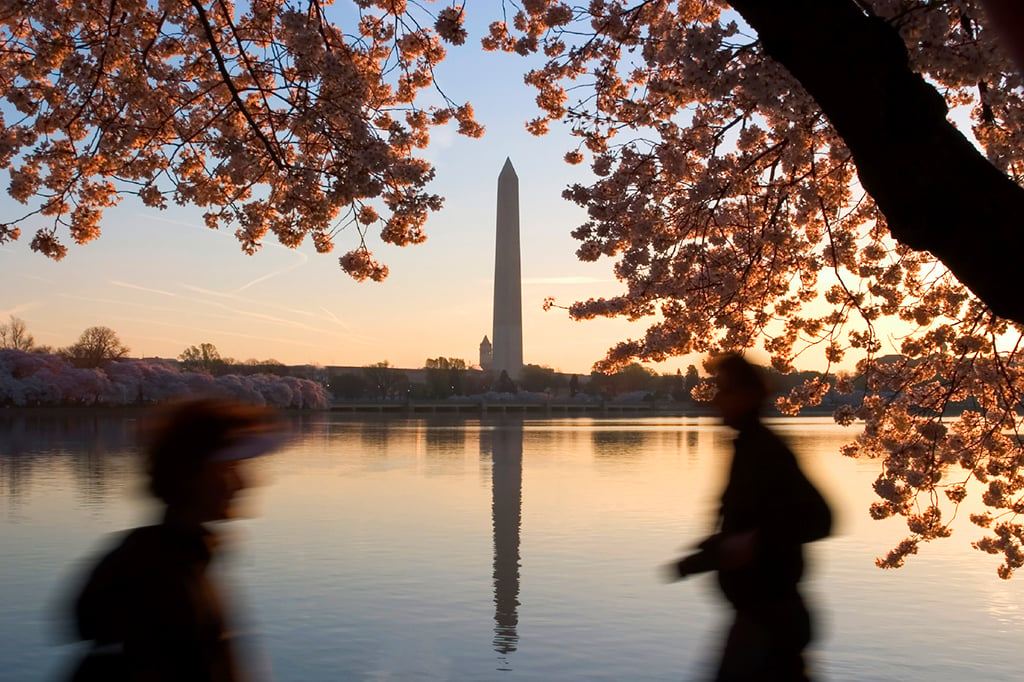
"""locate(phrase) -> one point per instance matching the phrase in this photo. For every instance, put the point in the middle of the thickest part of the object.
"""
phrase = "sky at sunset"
(164, 281)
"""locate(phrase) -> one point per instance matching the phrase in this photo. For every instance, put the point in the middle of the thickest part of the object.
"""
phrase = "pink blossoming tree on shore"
(782, 173)
(37, 379)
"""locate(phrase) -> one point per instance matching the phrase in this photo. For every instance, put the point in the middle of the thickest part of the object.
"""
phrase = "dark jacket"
(768, 493)
(153, 596)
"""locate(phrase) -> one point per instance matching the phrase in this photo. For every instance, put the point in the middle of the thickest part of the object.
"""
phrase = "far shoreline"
(464, 408)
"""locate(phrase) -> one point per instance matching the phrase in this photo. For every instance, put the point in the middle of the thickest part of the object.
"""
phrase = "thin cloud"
(126, 285)
(161, 315)
(211, 292)
(237, 308)
(303, 258)
(21, 307)
(283, 342)
(233, 296)
(256, 315)
(37, 278)
(172, 221)
(97, 299)
(208, 332)
(279, 320)
(557, 281)
(351, 335)
(334, 318)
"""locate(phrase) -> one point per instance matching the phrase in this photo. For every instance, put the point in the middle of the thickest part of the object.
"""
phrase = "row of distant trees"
(45, 379)
(94, 348)
(207, 359)
(444, 377)
(97, 346)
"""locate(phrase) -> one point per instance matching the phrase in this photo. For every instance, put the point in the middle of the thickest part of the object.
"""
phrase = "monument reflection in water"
(503, 443)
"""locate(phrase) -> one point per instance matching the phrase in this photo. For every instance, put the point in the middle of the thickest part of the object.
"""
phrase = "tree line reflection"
(94, 445)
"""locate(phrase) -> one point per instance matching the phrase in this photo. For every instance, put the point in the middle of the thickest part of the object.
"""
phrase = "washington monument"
(508, 297)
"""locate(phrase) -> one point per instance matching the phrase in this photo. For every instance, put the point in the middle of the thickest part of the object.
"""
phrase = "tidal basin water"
(503, 549)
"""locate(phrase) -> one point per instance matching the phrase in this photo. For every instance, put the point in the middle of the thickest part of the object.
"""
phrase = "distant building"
(486, 354)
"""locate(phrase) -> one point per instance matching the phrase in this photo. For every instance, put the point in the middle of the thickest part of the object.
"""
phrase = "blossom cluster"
(35, 379)
(272, 118)
(734, 217)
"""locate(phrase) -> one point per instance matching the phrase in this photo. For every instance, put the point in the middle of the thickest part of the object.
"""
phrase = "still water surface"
(515, 550)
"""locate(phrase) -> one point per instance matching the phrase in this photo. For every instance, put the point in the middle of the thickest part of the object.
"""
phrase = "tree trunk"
(937, 192)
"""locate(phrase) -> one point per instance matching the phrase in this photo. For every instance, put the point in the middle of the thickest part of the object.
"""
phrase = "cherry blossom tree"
(273, 118)
(34, 379)
(797, 174)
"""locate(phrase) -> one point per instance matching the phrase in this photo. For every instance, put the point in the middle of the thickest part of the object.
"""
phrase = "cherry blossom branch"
(229, 83)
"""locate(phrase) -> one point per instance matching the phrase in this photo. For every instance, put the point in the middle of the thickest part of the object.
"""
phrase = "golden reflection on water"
(440, 549)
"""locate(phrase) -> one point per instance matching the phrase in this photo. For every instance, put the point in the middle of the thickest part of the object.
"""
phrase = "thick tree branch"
(937, 192)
